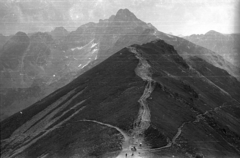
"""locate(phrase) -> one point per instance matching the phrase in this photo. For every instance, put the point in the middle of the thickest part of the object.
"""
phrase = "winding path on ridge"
(133, 144)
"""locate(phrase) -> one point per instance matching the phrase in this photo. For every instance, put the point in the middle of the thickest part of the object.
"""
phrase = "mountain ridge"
(225, 45)
(184, 110)
(60, 60)
(54, 63)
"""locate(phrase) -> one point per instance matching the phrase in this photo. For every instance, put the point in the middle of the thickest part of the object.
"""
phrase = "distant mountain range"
(226, 45)
(47, 61)
(143, 101)
(35, 65)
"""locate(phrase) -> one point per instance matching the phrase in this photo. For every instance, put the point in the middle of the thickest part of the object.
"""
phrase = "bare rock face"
(107, 32)
(143, 101)
(33, 67)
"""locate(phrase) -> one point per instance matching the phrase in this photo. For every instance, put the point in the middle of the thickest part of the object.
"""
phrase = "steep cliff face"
(107, 32)
(143, 101)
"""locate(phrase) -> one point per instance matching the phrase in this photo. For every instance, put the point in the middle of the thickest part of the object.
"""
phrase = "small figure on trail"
(134, 148)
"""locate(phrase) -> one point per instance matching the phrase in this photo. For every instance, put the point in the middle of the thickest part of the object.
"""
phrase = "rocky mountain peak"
(19, 37)
(41, 36)
(213, 33)
(60, 29)
(59, 32)
(125, 15)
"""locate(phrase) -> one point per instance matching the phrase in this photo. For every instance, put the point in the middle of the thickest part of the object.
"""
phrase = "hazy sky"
(176, 16)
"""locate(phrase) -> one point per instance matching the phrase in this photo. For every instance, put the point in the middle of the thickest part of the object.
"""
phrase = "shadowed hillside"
(143, 101)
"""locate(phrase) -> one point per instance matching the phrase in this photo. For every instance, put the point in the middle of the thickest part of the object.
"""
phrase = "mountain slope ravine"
(134, 146)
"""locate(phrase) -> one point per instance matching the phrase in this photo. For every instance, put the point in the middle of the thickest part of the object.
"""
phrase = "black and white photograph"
(120, 78)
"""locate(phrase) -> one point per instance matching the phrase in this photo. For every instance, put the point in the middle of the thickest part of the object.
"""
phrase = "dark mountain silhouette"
(143, 101)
